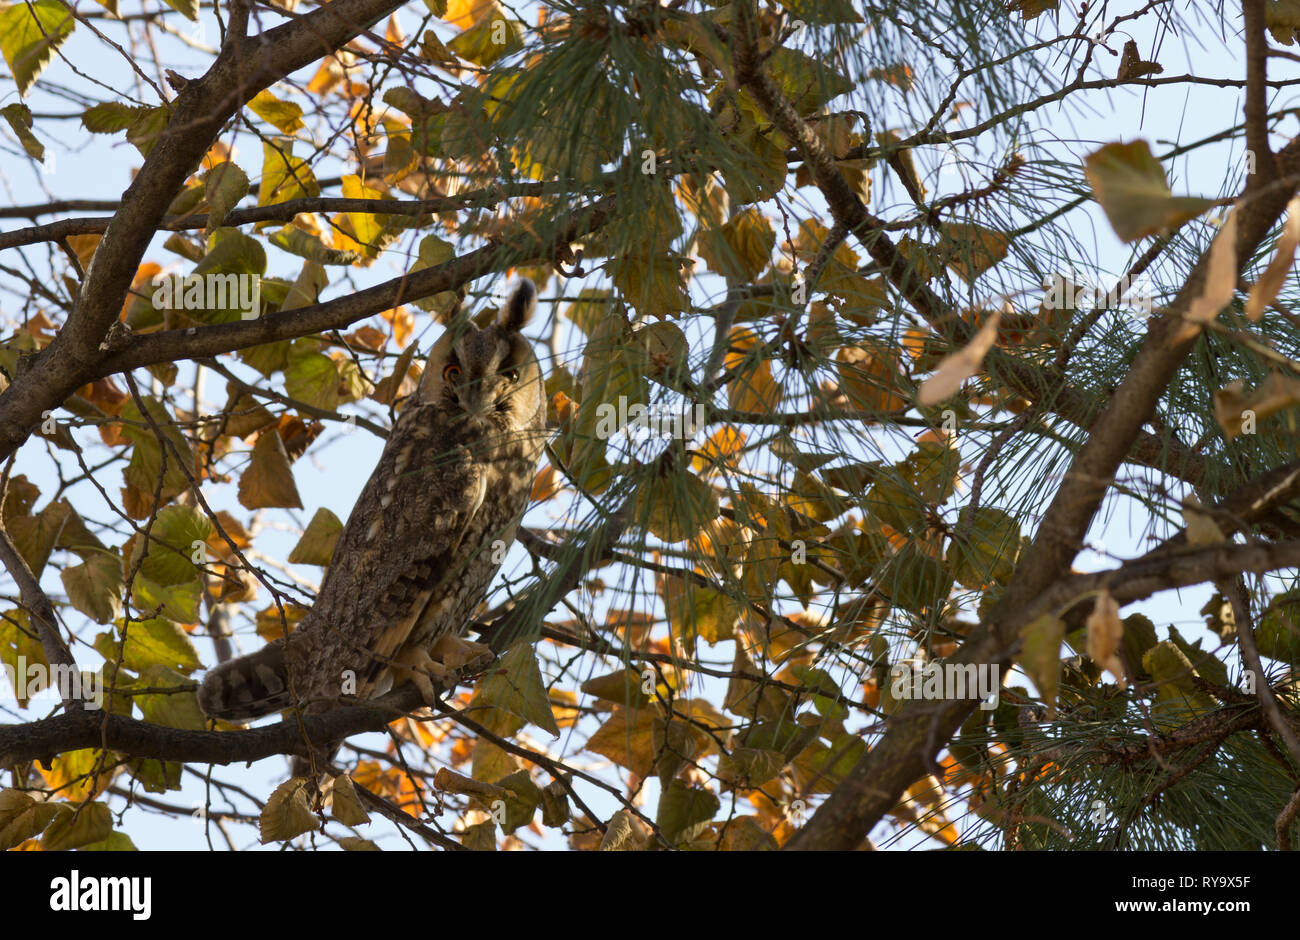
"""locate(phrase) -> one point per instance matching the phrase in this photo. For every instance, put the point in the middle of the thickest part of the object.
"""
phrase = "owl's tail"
(248, 687)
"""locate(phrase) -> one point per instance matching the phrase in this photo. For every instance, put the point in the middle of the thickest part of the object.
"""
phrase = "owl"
(424, 540)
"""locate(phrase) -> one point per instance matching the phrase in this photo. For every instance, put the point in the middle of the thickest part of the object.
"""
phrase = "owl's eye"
(511, 375)
(451, 372)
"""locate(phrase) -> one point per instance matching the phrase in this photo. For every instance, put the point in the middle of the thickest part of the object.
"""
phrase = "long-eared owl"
(424, 539)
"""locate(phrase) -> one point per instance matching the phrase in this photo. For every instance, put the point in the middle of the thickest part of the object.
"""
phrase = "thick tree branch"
(44, 739)
(175, 345)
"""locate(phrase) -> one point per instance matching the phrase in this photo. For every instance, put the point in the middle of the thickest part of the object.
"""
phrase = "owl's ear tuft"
(518, 310)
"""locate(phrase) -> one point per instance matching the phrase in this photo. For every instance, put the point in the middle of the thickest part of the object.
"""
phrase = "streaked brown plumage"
(425, 538)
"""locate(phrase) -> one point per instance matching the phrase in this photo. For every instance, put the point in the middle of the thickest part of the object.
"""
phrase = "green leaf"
(22, 817)
(154, 642)
(230, 251)
(19, 117)
(29, 34)
(144, 131)
(116, 842)
(142, 473)
(433, 252)
(988, 554)
(894, 502)
(19, 642)
(223, 187)
(1175, 688)
(355, 844)
(92, 822)
(167, 571)
(821, 767)
(1207, 665)
(750, 767)
(808, 83)
(316, 546)
(522, 805)
(685, 811)
(915, 581)
(312, 377)
(515, 687)
(1130, 185)
(590, 308)
(1278, 632)
(111, 117)
(35, 536)
(493, 36)
(822, 12)
(675, 508)
(95, 587)
(1040, 656)
(305, 245)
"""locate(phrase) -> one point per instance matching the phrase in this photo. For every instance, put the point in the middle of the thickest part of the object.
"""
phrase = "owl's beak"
(478, 402)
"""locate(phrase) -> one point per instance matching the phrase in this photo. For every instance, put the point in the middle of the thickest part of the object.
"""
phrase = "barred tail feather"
(248, 687)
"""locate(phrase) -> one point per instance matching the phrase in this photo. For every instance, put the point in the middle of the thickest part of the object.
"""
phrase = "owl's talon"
(428, 675)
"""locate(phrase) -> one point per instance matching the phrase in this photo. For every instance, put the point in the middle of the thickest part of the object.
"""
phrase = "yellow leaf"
(741, 248)
(285, 116)
(973, 249)
(1130, 185)
(1201, 527)
(316, 546)
(722, 449)
(286, 814)
(464, 13)
(751, 387)
(344, 804)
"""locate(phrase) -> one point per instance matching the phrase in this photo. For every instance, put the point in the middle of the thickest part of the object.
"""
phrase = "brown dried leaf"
(1220, 276)
(1270, 282)
(1105, 632)
(961, 365)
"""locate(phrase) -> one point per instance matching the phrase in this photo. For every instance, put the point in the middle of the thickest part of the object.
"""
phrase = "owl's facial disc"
(484, 371)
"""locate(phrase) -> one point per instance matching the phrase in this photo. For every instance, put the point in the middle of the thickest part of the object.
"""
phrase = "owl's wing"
(406, 602)
(399, 543)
